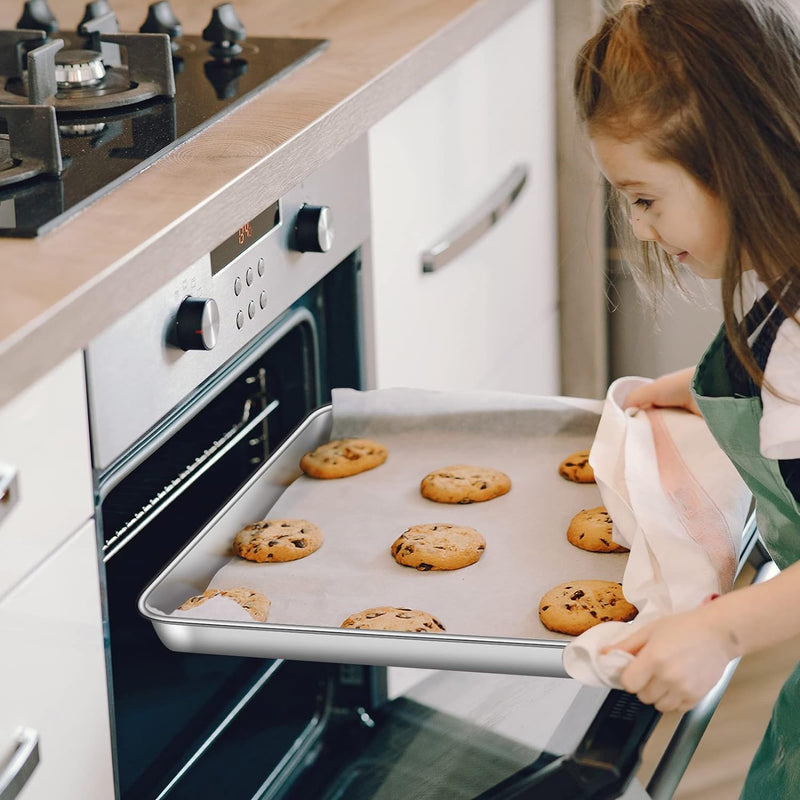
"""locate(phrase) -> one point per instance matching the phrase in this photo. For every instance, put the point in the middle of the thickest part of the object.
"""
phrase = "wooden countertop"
(61, 289)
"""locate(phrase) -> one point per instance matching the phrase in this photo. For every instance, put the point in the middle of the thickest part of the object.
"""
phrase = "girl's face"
(667, 205)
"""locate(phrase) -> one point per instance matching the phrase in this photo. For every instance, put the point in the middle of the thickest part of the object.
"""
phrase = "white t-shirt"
(780, 421)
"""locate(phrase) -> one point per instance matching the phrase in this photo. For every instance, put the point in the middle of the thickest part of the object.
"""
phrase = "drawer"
(44, 454)
(53, 671)
(463, 178)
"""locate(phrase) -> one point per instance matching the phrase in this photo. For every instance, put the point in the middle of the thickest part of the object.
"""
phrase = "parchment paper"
(526, 553)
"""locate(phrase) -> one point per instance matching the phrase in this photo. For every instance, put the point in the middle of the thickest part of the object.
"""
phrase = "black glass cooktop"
(102, 149)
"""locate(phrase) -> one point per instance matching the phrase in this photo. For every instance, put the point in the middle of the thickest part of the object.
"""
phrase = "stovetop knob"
(224, 31)
(313, 230)
(197, 323)
(37, 16)
(161, 19)
(93, 10)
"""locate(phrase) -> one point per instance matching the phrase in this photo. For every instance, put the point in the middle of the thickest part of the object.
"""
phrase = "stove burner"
(81, 112)
(75, 69)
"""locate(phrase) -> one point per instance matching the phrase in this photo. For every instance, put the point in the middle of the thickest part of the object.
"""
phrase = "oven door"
(189, 725)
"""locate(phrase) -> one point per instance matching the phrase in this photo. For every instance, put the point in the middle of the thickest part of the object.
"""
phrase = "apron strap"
(765, 310)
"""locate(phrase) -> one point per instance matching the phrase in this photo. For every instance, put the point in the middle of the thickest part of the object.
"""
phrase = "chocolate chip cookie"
(391, 618)
(255, 603)
(341, 458)
(576, 468)
(277, 540)
(438, 546)
(463, 483)
(576, 606)
(591, 529)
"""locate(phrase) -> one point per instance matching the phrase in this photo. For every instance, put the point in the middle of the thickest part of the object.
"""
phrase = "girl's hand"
(668, 391)
(678, 659)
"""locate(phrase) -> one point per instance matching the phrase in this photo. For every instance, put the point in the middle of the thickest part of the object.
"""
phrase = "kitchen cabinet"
(53, 671)
(45, 469)
(488, 318)
(53, 676)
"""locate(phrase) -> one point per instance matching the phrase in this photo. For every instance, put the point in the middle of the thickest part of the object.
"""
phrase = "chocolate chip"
(577, 594)
(425, 567)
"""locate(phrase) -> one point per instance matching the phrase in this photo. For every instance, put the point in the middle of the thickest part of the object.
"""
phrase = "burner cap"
(82, 129)
(78, 68)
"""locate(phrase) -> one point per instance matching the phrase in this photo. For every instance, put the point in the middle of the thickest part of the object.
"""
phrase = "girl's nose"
(642, 230)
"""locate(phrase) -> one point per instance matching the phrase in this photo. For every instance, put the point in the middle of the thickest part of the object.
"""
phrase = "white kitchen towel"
(678, 503)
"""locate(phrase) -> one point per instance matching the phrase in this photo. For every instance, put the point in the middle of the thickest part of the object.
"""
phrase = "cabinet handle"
(472, 227)
(9, 492)
(22, 764)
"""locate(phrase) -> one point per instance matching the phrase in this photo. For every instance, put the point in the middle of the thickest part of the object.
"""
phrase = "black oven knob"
(37, 16)
(161, 19)
(197, 323)
(224, 32)
(313, 230)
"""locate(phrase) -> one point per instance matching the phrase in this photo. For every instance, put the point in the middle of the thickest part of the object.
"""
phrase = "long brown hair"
(714, 86)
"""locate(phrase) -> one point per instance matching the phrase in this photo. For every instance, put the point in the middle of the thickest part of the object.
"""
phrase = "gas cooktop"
(83, 111)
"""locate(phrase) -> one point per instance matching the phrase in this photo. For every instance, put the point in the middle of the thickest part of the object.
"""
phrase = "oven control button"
(313, 230)
(197, 323)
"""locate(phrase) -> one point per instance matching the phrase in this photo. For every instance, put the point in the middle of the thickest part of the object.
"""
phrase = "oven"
(190, 393)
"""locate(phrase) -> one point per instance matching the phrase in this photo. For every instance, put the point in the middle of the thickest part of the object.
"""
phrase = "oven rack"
(170, 490)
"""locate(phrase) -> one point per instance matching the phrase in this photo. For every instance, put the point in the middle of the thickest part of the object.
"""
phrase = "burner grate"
(160, 87)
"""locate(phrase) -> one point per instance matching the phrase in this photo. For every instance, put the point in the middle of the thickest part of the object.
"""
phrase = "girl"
(693, 112)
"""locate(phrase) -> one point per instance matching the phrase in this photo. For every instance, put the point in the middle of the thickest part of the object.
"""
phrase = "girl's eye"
(642, 203)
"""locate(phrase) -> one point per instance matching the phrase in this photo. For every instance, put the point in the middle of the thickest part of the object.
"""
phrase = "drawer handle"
(472, 227)
(9, 491)
(22, 764)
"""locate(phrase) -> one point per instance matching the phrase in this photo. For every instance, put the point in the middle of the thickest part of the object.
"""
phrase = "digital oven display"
(247, 234)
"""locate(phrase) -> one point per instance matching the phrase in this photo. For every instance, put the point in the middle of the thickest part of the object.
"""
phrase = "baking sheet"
(494, 600)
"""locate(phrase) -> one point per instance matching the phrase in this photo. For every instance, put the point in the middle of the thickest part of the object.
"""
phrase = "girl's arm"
(668, 391)
(679, 658)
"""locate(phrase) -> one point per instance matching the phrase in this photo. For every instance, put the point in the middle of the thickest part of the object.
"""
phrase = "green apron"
(734, 421)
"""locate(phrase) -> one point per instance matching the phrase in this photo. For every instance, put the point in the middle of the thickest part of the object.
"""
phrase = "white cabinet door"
(488, 318)
(44, 457)
(53, 677)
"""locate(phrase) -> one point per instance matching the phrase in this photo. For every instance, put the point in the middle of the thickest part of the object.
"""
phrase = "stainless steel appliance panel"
(136, 374)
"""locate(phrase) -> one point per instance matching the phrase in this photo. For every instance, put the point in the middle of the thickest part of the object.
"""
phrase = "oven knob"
(224, 31)
(161, 19)
(37, 16)
(197, 323)
(313, 230)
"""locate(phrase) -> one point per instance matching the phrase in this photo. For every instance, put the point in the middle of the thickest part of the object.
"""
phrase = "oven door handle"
(22, 764)
(477, 223)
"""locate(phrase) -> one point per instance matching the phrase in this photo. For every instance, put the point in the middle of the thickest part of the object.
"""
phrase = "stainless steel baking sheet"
(490, 609)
